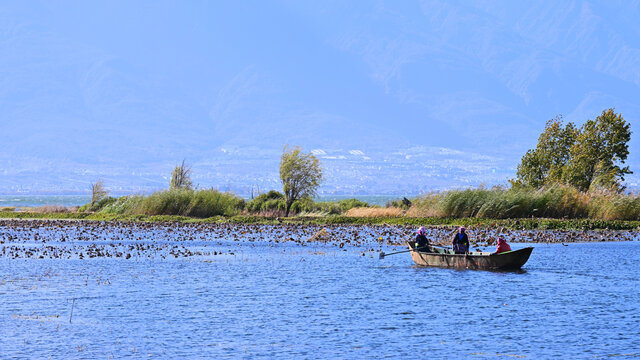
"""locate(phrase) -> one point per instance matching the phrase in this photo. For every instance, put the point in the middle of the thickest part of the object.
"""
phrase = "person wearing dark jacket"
(461, 241)
(421, 240)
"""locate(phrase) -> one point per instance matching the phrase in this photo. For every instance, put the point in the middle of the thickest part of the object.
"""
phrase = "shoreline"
(304, 230)
(507, 224)
(85, 239)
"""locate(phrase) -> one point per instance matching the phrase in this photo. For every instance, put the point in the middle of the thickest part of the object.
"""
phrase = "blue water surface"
(21, 201)
(319, 301)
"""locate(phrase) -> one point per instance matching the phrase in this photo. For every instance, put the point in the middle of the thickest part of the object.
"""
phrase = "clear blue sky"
(428, 94)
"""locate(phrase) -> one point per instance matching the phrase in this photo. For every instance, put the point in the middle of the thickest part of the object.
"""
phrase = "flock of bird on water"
(64, 239)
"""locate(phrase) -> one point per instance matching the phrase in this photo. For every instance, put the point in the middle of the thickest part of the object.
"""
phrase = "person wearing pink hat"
(422, 242)
(461, 241)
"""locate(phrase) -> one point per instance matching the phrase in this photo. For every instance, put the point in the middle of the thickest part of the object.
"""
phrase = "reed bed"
(550, 202)
(181, 202)
(53, 209)
(209, 203)
(272, 213)
(375, 212)
(553, 202)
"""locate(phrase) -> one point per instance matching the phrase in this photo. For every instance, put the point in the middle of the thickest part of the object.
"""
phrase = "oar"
(382, 254)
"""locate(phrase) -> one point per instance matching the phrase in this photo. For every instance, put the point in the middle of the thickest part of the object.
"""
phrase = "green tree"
(530, 171)
(546, 163)
(599, 152)
(181, 177)
(300, 174)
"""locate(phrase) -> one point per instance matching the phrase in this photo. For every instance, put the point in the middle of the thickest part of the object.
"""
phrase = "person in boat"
(422, 242)
(502, 246)
(461, 241)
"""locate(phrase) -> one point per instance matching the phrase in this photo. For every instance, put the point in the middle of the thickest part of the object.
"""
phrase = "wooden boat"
(441, 257)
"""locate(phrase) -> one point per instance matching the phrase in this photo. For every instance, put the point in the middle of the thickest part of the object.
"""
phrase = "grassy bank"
(561, 202)
(189, 203)
(553, 202)
(556, 207)
(208, 203)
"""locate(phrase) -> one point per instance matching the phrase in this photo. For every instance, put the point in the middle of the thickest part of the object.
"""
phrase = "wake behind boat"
(440, 257)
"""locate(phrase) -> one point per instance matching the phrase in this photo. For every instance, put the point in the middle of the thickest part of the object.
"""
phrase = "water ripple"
(292, 301)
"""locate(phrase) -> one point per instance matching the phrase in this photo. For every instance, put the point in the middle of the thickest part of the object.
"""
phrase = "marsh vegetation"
(573, 173)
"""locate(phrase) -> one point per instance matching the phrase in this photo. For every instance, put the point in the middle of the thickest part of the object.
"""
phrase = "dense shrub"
(99, 205)
(270, 201)
(194, 203)
(123, 205)
(305, 205)
(274, 202)
(348, 204)
(170, 202)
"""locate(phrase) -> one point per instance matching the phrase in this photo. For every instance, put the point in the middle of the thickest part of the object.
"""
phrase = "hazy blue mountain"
(394, 97)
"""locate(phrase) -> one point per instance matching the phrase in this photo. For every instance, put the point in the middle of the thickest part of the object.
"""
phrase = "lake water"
(40, 200)
(261, 299)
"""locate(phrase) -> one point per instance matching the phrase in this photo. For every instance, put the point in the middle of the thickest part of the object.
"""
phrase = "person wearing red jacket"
(502, 246)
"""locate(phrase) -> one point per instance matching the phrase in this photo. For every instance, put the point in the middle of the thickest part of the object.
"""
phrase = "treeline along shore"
(572, 179)
(556, 207)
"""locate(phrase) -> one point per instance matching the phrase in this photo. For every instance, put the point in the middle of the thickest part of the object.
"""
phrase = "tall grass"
(550, 202)
(327, 207)
(182, 202)
(375, 212)
(51, 209)
(208, 203)
(124, 205)
(615, 207)
(559, 202)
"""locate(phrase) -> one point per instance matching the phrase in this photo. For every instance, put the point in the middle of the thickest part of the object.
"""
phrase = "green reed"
(181, 202)
(550, 202)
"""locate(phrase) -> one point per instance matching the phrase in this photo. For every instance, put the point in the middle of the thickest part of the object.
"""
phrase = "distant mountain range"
(393, 100)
